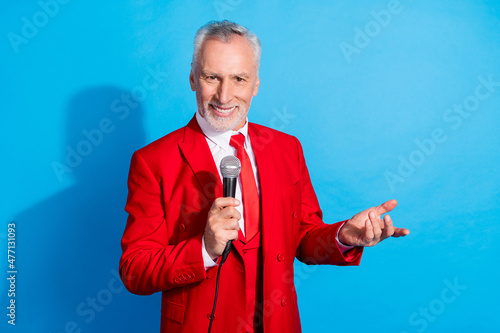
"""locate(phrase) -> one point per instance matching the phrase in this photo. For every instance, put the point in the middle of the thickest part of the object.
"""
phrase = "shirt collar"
(220, 138)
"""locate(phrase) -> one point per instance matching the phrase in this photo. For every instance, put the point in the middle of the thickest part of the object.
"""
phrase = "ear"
(256, 88)
(191, 80)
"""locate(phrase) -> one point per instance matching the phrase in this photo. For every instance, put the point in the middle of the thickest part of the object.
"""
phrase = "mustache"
(220, 105)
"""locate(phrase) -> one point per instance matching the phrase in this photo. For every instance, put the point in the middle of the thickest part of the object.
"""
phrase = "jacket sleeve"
(149, 263)
(317, 240)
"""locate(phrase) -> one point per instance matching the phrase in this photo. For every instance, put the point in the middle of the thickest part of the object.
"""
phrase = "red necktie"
(251, 202)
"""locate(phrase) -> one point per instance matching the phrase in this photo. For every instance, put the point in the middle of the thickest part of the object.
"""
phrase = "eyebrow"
(243, 75)
(204, 73)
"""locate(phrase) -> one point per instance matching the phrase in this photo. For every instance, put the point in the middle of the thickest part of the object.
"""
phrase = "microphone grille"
(230, 166)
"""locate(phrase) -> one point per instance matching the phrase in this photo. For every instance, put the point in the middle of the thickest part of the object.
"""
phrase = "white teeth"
(223, 110)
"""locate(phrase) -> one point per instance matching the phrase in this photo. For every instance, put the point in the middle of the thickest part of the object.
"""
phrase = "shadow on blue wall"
(70, 243)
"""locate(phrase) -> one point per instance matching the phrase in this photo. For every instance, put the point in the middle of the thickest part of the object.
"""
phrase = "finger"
(222, 236)
(386, 207)
(388, 227)
(219, 219)
(227, 234)
(400, 232)
(375, 221)
(229, 212)
(232, 235)
(220, 203)
(368, 237)
(231, 224)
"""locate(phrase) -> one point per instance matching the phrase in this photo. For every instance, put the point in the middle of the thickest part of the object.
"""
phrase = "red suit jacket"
(172, 184)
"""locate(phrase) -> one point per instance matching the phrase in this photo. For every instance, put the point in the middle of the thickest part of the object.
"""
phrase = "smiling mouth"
(222, 111)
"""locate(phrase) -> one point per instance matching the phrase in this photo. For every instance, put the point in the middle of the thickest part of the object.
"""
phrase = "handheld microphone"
(230, 167)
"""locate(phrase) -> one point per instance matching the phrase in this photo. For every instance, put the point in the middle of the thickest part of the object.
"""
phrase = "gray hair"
(224, 31)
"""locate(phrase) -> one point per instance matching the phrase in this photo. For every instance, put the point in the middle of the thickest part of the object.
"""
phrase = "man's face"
(225, 79)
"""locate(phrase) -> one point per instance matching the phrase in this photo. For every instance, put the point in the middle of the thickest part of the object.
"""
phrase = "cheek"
(248, 97)
(206, 93)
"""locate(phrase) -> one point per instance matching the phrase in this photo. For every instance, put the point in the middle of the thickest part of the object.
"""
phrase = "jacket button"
(176, 280)
(209, 316)
(294, 215)
(284, 301)
(280, 257)
(183, 227)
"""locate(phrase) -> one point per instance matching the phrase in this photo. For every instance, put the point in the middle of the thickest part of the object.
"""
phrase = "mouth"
(221, 111)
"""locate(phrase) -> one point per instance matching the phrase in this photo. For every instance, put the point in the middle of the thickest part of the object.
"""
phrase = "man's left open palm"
(367, 228)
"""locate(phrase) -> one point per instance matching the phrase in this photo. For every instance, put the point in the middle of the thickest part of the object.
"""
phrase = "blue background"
(363, 85)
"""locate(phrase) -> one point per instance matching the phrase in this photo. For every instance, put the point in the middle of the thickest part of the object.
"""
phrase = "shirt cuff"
(207, 261)
(342, 247)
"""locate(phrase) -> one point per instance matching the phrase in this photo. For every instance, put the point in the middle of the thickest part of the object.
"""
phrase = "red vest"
(251, 252)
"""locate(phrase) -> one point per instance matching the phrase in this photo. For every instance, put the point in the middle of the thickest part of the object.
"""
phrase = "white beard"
(222, 124)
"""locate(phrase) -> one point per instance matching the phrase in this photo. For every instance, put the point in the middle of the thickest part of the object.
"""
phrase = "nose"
(224, 92)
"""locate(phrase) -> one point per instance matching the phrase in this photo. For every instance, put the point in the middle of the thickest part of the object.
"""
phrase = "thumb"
(386, 207)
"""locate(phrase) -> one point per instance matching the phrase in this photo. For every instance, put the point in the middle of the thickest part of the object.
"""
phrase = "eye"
(211, 77)
(239, 79)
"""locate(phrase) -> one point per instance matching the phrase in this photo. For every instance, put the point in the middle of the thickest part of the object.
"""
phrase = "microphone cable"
(222, 261)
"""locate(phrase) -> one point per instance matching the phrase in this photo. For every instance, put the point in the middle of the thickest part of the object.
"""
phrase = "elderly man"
(179, 223)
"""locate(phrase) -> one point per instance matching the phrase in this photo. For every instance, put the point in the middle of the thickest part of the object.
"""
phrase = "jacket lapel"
(197, 153)
(264, 157)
